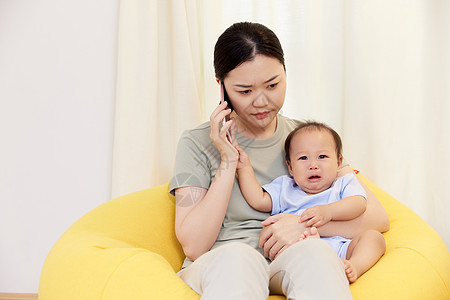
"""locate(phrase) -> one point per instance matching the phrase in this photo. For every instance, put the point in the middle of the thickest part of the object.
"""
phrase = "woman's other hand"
(280, 231)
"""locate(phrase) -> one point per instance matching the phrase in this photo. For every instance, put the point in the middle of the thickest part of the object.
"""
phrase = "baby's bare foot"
(313, 233)
(349, 270)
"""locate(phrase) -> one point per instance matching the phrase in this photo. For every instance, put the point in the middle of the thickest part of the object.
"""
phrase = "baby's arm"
(342, 210)
(250, 188)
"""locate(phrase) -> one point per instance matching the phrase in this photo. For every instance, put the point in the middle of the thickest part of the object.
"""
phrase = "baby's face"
(314, 163)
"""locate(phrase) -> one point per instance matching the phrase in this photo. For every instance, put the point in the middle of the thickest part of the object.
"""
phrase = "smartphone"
(224, 97)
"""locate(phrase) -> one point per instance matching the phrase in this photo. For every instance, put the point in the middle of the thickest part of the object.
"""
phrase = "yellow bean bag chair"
(127, 249)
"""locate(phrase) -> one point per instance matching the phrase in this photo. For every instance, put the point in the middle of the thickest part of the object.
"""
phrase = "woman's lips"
(261, 115)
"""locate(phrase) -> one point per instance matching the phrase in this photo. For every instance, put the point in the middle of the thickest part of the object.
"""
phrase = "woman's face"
(257, 89)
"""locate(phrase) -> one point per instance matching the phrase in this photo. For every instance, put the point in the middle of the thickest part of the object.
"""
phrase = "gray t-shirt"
(197, 162)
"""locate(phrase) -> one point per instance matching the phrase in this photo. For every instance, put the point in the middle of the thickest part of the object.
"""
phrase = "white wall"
(57, 78)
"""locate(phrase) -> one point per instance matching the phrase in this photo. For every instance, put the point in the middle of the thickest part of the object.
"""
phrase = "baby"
(315, 193)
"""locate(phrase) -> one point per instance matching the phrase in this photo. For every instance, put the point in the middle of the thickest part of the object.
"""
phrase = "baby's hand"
(316, 216)
(243, 161)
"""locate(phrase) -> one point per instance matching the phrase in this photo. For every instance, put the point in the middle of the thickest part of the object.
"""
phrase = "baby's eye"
(302, 158)
(322, 156)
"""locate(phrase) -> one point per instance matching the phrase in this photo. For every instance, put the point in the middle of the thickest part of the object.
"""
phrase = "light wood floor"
(13, 296)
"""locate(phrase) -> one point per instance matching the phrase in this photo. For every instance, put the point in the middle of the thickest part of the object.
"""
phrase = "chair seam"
(430, 263)
(107, 282)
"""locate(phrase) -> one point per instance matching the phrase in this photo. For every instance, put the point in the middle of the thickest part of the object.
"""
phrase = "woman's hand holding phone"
(220, 130)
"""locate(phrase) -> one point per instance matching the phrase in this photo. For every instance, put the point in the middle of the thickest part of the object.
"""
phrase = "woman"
(219, 232)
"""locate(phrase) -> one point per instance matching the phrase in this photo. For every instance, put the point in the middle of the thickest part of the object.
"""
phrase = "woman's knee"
(309, 251)
(240, 267)
(231, 271)
(293, 269)
(239, 253)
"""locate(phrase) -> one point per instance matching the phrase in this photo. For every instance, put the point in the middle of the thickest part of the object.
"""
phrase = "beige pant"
(309, 269)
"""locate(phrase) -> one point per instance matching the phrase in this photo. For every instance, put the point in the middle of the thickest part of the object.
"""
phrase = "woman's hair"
(312, 125)
(240, 43)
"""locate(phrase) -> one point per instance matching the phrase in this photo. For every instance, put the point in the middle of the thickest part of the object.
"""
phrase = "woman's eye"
(273, 85)
(245, 92)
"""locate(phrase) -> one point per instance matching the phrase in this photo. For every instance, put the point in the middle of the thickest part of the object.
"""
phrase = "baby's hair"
(312, 125)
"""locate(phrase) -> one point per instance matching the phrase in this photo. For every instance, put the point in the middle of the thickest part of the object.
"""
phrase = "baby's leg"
(313, 233)
(363, 252)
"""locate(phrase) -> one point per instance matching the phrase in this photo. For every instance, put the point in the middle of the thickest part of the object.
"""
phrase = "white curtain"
(377, 71)
(159, 90)
(397, 101)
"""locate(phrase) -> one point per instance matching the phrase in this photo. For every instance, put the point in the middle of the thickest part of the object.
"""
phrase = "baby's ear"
(340, 159)
(288, 163)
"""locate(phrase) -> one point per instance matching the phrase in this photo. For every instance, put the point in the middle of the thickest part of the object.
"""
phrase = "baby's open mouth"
(314, 177)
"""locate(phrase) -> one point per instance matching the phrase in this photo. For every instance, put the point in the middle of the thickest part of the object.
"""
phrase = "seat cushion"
(127, 249)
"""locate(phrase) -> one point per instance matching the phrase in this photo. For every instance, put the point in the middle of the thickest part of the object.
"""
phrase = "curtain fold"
(397, 83)
(376, 71)
(158, 91)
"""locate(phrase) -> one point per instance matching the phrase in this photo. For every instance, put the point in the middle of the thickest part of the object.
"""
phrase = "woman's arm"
(280, 231)
(342, 210)
(375, 217)
(198, 224)
(199, 212)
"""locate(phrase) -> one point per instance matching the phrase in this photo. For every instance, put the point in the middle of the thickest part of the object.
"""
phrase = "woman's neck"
(256, 133)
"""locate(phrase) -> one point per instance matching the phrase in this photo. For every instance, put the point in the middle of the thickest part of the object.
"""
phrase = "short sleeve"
(352, 187)
(192, 166)
(274, 190)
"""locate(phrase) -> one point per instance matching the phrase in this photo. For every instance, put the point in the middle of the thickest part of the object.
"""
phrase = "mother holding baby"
(233, 251)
